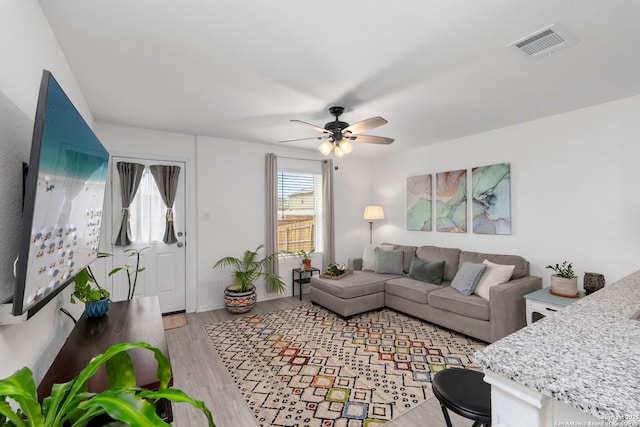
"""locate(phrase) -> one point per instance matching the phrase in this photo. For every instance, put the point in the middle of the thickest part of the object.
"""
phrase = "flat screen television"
(63, 200)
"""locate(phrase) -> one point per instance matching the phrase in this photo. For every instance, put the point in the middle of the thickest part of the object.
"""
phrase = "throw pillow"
(369, 258)
(388, 261)
(467, 277)
(493, 275)
(430, 272)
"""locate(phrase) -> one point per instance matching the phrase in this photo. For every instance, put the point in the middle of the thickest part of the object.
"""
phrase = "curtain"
(271, 209)
(130, 175)
(329, 232)
(166, 178)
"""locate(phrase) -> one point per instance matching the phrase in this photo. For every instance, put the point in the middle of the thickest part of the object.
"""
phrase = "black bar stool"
(464, 392)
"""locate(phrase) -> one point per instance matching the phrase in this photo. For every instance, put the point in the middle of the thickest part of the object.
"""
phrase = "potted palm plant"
(240, 295)
(565, 282)
(71, 404)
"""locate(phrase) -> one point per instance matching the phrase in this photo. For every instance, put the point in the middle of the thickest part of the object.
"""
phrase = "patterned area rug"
(305, 366)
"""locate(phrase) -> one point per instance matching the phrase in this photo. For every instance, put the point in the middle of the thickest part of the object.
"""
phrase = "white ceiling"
(436, 70)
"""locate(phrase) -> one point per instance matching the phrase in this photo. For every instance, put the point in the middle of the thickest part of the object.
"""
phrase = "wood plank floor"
(200, 372)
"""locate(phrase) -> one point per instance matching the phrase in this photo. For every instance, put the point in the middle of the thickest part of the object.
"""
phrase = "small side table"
(304, 276)
(543, 303)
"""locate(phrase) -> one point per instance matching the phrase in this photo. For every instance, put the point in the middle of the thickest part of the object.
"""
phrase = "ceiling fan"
(339, 134)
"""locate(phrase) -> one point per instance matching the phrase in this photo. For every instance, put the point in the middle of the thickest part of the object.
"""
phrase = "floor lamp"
(373, 213)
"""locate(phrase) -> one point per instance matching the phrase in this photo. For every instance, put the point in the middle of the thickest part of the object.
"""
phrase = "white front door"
(164, 264)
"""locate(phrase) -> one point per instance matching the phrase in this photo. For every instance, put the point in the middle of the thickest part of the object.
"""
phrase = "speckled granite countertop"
(587, 355)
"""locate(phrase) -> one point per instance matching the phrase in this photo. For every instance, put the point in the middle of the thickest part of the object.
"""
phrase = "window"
(147, 212)
(300, 213)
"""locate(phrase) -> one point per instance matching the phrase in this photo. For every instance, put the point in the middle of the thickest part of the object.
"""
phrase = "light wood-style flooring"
(199, 371)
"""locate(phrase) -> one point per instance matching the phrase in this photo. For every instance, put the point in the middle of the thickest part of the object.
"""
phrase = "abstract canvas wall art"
(451, 201)
(419, 203)
(491, 198)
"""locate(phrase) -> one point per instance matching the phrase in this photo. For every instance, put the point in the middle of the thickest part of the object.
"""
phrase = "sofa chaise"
(496, 314)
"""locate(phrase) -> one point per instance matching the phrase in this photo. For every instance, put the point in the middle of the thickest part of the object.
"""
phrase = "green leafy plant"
(84, 291)
(132, 271)
(248, 269)
(335, 269)
(301, 253)
(71, 404)
(563, 270)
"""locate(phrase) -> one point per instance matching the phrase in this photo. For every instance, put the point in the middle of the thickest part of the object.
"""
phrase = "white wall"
(574, 187)
(231, 209)
(27, 45)
(225, 202)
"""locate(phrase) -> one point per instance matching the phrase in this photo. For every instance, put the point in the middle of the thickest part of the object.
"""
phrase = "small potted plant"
(240, 296)
(335, 269)
(565, 282)
(305, 255)
(88, 291)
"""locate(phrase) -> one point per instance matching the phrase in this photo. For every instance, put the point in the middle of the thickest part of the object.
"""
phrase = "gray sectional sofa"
(487, 320)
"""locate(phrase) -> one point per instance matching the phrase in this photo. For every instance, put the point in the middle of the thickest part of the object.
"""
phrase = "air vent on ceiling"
(542, 43)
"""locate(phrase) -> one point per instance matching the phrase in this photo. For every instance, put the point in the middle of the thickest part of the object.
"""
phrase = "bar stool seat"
(464, 392)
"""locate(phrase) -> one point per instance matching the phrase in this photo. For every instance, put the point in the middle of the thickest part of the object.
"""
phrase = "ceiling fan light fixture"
(341, 135)
(345, 146)
(326, 147)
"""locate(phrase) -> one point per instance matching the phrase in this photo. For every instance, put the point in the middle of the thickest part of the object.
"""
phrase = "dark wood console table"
(127, 321)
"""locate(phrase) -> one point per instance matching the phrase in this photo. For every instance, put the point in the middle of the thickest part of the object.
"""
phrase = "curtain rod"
(299, 158)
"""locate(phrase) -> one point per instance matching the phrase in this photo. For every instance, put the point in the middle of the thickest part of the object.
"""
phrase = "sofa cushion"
(357, 284)
(389, 262)
(450, 299)
(370, 256)
(521, 269)
(493, 275)
(408, 253)
(450, 256)
(413, 290)
(430, 272)
(467, 277)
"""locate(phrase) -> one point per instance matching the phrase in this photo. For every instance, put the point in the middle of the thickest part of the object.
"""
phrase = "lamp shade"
(373, 213)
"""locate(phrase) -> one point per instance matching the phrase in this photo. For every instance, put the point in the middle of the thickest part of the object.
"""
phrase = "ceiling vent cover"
(542, 43)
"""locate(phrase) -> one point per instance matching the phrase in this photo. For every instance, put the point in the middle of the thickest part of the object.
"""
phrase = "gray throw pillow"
(430, 272)
(389, 262)
(467, 277)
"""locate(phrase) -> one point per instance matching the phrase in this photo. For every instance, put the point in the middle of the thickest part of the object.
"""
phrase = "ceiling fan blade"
(318, 128)
(305, 139)
(371, 139)
(365, 125)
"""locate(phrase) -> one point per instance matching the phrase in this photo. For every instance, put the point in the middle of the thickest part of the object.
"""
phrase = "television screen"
(64, 197)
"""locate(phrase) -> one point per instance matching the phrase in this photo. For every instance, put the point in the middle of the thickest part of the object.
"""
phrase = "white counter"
(586, 356)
